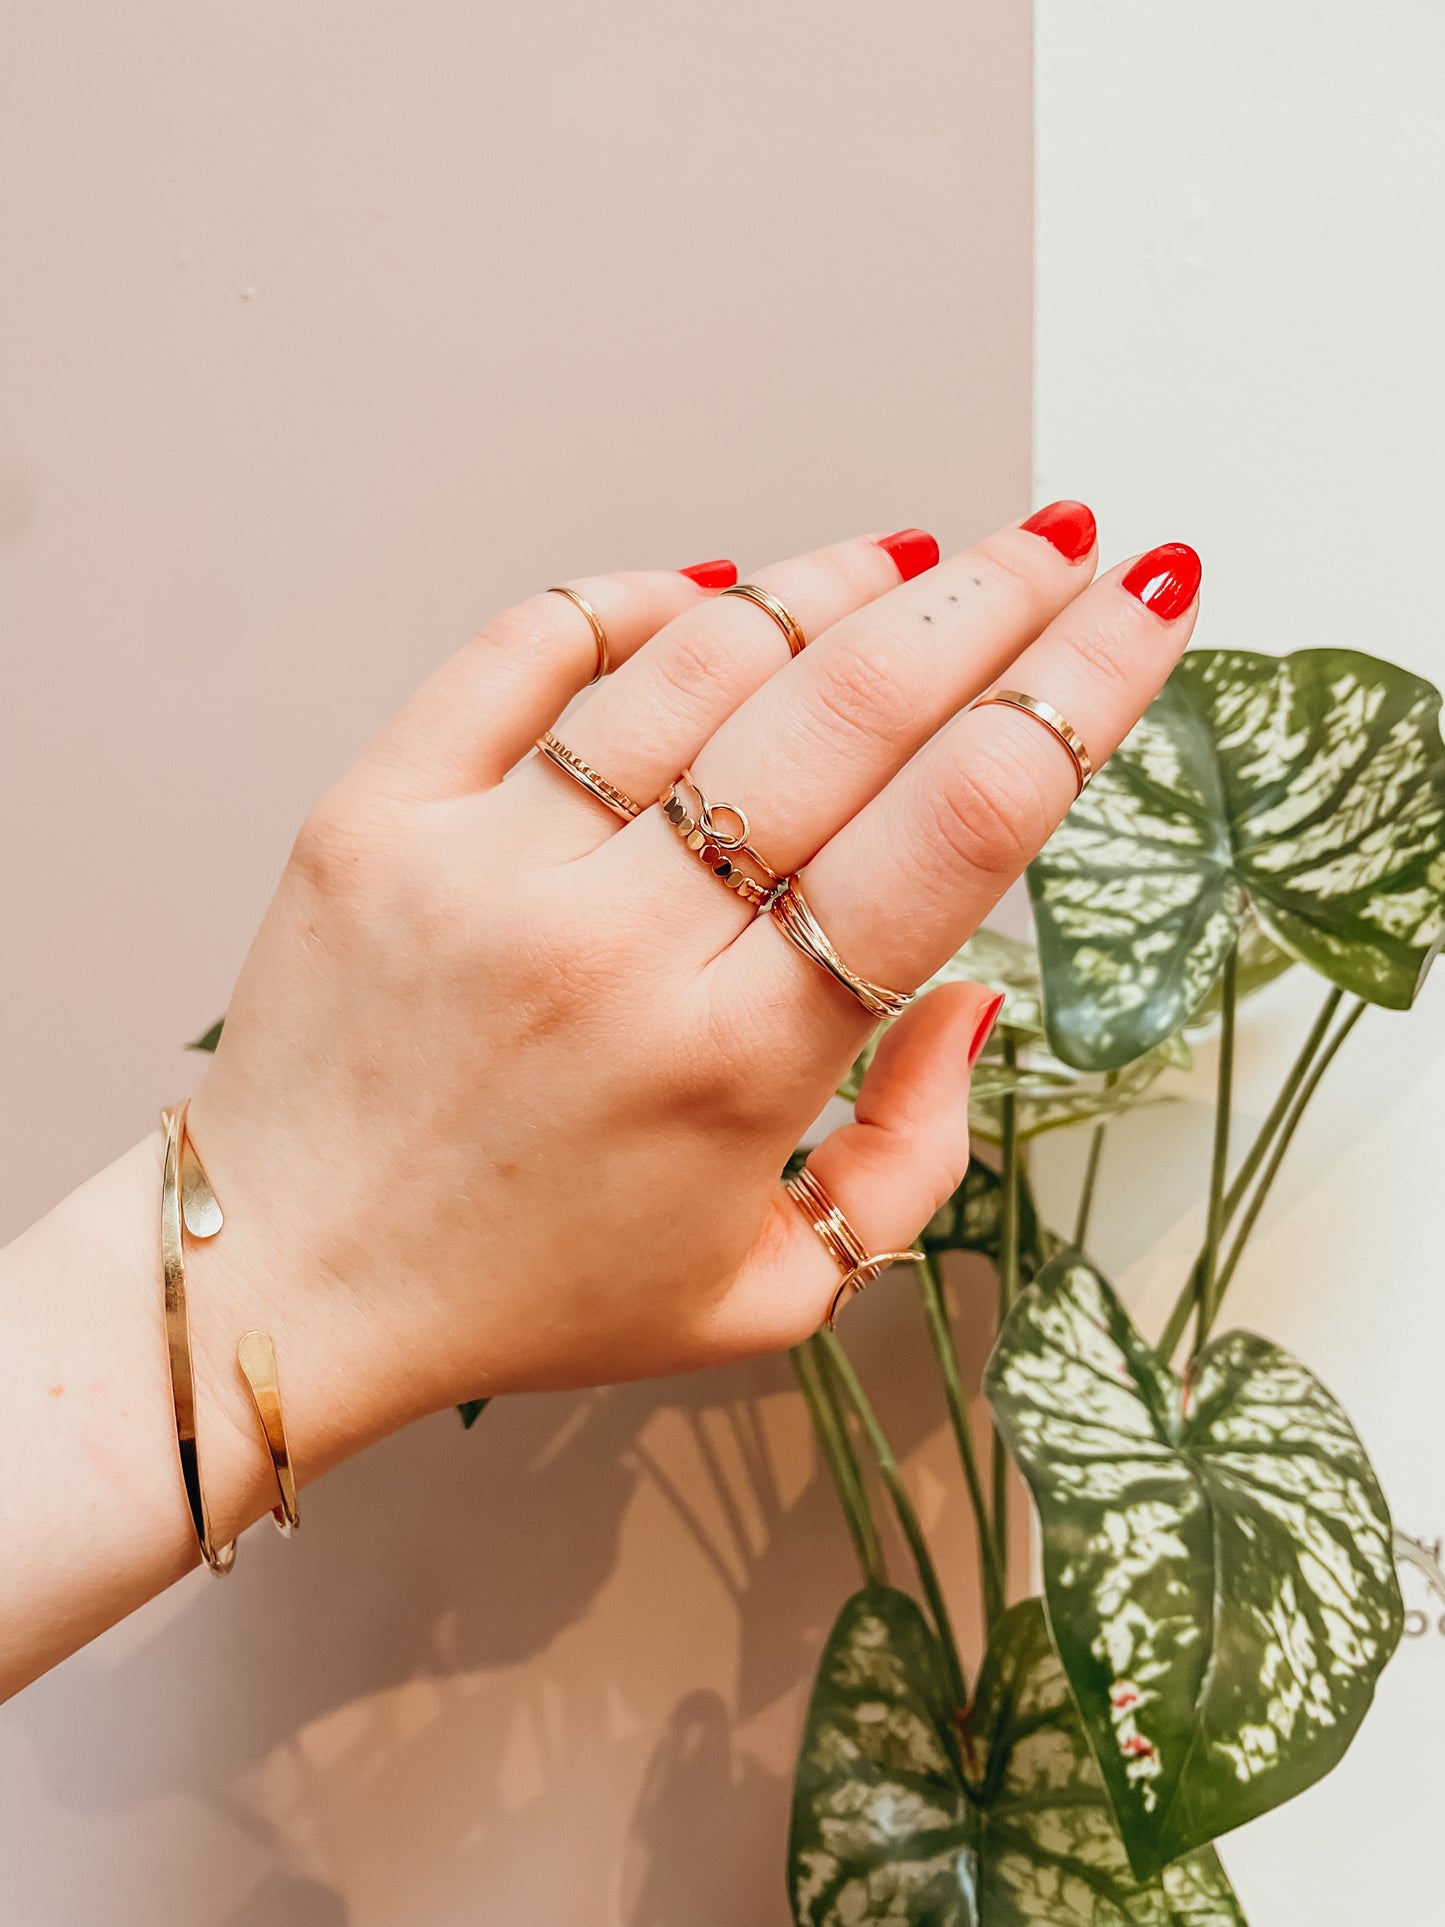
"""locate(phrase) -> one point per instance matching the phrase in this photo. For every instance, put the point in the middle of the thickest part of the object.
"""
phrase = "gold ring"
(1052, 721)
(594, 622)
(567, 760)
(765, 599)
(794, 917)
(840, 1240)
(697, 823)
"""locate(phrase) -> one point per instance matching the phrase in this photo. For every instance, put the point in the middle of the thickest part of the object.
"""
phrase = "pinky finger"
(902, 1156)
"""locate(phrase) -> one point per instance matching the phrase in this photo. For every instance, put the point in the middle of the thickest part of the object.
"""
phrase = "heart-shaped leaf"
(1217, 1559)
(905, 1815)
(1311, 785)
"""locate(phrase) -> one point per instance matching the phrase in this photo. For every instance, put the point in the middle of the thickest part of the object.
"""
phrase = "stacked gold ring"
(1055, 722)
(571, 764)
(594, 623)
(793, 915)
(697, 823)
(840, 1240)
(765, 599)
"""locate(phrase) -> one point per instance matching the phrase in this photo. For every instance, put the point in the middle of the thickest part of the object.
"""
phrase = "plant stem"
(1091, 1172)
(903, 1506)
(940, 1331)
(1234, 1197)
(837, 1449)
(1008, 1281)
(1219, 1162)
(1271, 1169)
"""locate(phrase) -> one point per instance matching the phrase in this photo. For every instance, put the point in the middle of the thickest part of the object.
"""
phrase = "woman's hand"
(507, 1082)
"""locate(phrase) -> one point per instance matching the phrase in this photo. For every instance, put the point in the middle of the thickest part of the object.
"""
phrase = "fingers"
(888, 1171)
(915, 873)
(815, 743)
(483, 709)
(643, 725)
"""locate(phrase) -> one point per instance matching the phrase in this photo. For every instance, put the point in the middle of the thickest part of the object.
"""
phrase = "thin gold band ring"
(594, 623)
(840, 1240)
(766, 600)
(793, 915)
(1058, 725)
(571, 764)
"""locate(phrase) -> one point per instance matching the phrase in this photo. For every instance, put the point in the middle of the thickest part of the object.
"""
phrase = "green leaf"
(972, 1220)
(1311, 785)
(209, 1039)
(472, 1410)
(1217, 1559)
(906, 1815)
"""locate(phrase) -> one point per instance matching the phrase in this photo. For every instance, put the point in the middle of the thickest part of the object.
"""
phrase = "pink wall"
(326, 331)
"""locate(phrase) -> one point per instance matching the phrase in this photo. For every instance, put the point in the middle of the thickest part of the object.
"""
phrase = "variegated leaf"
(972, 1220)
(1217, 1559)
(905, 1816)
(1311, 785)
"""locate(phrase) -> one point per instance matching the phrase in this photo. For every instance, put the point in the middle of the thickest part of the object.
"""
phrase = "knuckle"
(1012, 573)
(992, 815)
(333, 848)
(686, 662)
(1100, 650)
(860, 692)
(526, 632)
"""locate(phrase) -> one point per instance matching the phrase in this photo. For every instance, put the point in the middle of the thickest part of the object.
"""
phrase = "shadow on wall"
(436, 1564)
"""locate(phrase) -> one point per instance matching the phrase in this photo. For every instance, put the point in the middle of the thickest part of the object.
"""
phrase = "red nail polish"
(1069, 526)
(985, 1028)
(1166, 580)
(712, 575)
(913, 551)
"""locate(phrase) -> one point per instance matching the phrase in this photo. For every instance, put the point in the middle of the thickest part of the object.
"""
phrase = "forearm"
(93, 1516)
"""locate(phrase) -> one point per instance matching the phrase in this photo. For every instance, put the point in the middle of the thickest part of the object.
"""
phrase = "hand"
(507, 1083)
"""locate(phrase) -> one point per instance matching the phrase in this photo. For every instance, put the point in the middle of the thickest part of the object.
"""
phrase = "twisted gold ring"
(697, 823)
(594, 623)
(766, 600)
(840, 1240)
(793, 915)
(571, 764)
(1058, 725)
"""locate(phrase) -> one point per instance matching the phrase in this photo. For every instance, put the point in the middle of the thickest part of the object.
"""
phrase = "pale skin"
(506, 1083)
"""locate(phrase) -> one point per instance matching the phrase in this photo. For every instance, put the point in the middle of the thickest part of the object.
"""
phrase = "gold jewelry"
(765, 599)
(594, 623)
(696, 822)
(1058, 725)
(840, 1240)
(256, 1356)
(794, 917)
(567, 760)
(188, 1204)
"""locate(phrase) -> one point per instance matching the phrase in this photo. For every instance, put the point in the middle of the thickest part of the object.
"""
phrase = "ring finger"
(646, 722)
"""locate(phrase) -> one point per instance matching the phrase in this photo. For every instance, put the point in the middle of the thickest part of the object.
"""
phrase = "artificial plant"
(1219, 1594)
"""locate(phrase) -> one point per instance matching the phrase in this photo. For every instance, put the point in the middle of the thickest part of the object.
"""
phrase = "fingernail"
(913, 551)
(1069, 526)
(985, 1028)
(712, 575)
(1166, 580)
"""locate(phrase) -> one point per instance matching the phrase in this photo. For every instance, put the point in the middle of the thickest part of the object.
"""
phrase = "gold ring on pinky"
(697, 823)
(594, 623)
(766, 600)
(841, 1241)
(571, 764)
(793, 915)
(1056, 724)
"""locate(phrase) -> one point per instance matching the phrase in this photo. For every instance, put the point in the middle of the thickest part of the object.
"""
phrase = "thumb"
(904, 1153)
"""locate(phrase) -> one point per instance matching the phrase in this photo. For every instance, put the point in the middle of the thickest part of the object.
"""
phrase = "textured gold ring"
(594, 623)
(571, 764)
(840, 1240)
(793, 915)
(766, 600)
(700, 824)
(1057, 725)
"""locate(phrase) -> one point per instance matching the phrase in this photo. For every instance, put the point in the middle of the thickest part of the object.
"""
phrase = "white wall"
(1240, 279)
(327, 330)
